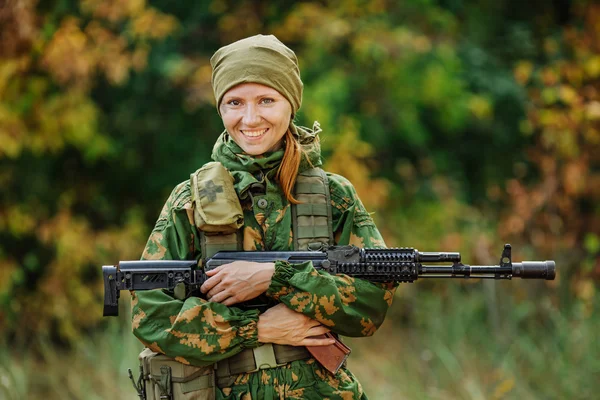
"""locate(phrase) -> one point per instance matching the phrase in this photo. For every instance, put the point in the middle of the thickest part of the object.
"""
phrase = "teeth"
(254, 133)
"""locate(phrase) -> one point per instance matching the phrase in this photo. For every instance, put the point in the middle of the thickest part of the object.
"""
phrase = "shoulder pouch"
(217, 208)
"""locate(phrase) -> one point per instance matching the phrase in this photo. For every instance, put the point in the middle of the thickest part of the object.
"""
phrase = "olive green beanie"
(257, 59)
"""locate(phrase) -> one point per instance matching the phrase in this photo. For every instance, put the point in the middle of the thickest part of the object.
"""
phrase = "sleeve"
(194, 331)
(349, 306)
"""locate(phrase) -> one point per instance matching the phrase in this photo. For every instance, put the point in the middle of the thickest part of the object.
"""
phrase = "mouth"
(254, 133)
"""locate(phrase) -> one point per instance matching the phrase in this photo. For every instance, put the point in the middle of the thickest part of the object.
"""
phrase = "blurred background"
(464, 125)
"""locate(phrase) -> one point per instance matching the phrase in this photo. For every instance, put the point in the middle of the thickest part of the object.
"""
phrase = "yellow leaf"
(592, 111)
(549, 95)
(592, 66)
(20, 220)
(568, 94)
(504, 388)
(523, 72)
(480, 107)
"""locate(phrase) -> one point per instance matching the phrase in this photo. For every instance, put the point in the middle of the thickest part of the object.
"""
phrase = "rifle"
(404, 265)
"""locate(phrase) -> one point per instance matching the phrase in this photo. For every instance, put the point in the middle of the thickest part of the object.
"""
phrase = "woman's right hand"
(281, 325)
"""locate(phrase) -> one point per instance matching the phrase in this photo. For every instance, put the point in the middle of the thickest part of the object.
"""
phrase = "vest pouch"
(167, 379)
(217, 208)
(312, 222)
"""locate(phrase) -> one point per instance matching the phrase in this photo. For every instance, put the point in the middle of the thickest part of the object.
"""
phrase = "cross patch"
(210, 191)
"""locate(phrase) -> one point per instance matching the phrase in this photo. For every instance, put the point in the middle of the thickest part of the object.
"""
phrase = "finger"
(318, 330)
(218, 288)
(220, 297)
(279, 307)
(316, 342)
(230, 301)
(312, 322)
(213, 271)
(210, 283)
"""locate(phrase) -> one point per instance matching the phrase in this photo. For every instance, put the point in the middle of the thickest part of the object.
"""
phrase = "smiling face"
(256, 116)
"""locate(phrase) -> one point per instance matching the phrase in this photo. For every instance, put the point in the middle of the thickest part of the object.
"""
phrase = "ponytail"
(289, 166)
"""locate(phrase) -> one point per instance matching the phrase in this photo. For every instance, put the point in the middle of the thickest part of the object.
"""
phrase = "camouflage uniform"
(198, 332)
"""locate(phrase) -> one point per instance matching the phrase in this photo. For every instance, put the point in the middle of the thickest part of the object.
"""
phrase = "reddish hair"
(289, 166)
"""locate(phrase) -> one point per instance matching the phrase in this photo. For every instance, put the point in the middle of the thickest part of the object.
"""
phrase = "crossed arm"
(239, 281)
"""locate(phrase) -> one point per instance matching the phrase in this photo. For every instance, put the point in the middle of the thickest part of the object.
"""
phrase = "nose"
(251, 116)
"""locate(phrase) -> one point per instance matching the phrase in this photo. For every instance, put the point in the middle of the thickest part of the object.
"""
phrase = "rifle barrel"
(524, 270)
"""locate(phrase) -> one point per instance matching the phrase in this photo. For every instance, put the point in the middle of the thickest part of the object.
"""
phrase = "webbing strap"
(312, 231)
(213, 243)
(164, 383)
(262, 357)
(241, 362)
(312, 209)
(309, 188)
(286, 354)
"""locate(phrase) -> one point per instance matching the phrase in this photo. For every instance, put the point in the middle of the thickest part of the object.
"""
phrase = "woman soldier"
(258, 90)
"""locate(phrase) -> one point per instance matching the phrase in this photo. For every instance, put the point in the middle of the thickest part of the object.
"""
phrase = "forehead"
(251, 90)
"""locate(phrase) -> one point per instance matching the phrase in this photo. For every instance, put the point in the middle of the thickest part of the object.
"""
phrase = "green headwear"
(257, 59)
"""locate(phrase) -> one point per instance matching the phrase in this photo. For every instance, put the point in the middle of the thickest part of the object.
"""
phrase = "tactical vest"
(220, 229)
(312, 224)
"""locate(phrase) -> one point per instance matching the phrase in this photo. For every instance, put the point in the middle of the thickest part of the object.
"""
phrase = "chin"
(262, 149)
(254, 151)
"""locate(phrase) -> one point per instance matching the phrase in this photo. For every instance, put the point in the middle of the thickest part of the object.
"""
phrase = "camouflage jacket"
(196, 331)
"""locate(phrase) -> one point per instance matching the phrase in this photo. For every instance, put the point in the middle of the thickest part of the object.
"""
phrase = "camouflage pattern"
(198, 332)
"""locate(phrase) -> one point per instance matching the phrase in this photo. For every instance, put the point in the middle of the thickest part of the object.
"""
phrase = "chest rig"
(312, 229)
(312, 224)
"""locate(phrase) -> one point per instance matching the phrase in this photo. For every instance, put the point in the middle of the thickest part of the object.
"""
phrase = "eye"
(234, 102)
(267, 100)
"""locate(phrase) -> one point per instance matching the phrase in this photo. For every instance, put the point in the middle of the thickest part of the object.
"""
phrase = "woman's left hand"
(237, 282)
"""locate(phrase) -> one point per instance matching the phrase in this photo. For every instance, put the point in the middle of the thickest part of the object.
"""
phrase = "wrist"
(261, 329)
(268, 269)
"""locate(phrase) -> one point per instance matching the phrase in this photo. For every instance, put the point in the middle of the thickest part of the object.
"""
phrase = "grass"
(439, 342)
(95, 368)
(447, 349)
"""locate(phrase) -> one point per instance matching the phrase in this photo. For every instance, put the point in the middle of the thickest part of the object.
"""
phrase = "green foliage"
(58, 221)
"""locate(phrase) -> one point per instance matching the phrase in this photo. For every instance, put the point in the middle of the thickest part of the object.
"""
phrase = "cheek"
(284, 118)
(282, 127)
(228, 119)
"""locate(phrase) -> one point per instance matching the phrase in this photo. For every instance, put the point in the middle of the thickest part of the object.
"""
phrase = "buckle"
(316, 246)
(264, 357)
